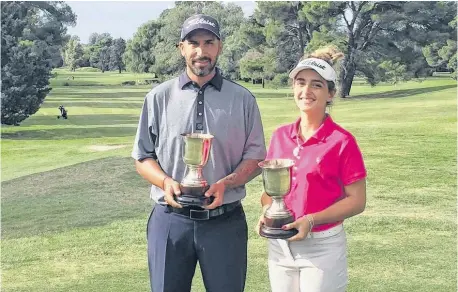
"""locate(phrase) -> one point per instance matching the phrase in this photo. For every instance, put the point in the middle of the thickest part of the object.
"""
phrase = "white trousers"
(309, 265)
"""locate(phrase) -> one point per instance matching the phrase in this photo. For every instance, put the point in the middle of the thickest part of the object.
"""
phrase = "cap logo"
(200, 21)
(313, 63)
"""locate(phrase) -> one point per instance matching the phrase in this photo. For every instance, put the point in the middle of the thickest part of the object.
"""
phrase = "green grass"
(74, 218)
(93, 77)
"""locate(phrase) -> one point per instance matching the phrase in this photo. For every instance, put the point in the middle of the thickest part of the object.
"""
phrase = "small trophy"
(276, 177)
(195, 155)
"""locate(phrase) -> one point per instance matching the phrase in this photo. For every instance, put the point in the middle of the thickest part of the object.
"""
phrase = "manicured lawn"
(74, 211)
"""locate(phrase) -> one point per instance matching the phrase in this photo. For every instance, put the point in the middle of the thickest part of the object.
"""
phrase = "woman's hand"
(303, 225)
(261, 220)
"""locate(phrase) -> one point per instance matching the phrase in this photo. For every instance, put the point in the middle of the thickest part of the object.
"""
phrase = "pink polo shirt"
(328, 161)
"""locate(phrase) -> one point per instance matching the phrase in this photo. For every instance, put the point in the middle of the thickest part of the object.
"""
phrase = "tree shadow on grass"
(128, 276)
(129, 279)
(92, 104)
(92, 94)
(87, 194)
(82, 120)
(71, 133)
(272, 94)
(401, 93)
(97, 81)
(64, 82)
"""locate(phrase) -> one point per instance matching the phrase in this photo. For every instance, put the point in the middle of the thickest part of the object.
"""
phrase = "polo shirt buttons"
(200, 114)
(200, 92)
(200, 102)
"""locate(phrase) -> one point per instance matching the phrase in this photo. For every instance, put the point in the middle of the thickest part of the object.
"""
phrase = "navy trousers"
(176, 243)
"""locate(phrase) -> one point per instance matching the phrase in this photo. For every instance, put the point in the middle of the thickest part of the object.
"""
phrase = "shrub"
(128, 83)
(146, 81)
(280, 80)
(88, 69)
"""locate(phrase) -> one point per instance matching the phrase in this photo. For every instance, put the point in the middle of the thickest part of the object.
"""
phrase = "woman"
(328, 184)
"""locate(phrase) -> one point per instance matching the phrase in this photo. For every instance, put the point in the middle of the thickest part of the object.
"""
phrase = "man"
(199, 100)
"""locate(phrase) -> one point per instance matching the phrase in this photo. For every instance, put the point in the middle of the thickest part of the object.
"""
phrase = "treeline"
(102, 52)
(382, 41)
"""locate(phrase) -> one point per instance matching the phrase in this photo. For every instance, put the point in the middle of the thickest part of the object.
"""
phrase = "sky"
(122, 18)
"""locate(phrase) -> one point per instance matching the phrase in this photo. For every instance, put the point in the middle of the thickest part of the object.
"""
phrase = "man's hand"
(302, 225)
(171, 188)
(217, 191)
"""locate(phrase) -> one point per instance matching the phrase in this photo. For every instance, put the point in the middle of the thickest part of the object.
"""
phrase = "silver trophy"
(276, 177)
(196, 152)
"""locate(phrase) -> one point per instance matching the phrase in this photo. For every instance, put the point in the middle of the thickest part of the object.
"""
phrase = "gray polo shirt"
(221, 107)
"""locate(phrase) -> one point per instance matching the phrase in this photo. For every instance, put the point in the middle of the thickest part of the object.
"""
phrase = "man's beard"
(201, 72)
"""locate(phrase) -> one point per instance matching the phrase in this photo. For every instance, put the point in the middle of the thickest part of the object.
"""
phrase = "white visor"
(320, 66)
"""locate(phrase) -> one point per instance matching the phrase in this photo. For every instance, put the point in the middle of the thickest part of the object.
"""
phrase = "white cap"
(320, 66)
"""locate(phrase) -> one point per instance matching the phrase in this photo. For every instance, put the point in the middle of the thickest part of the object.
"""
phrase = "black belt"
(197, 213)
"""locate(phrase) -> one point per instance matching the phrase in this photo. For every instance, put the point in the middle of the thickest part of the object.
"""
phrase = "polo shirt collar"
(320, 134)
(216, 81)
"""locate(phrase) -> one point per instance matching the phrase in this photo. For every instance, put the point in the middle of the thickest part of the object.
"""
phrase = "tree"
(32, 34)
(442, 52)
(100, 50)
(257, 65)
(116, 52)
(234, 50)
(154, 46)
(100, 39)
(103, 58)
(282, 30)
(251, 65)
(85, 59)
(139, 55)
(362, 23)
(420, 24)
(286, 23)
(73, 53)
(93, 37)
(375, 32)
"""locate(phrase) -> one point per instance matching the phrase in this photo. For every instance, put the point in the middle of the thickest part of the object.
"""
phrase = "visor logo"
(315, 64)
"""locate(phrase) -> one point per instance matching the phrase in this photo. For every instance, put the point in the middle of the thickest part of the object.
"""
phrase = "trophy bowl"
(276, 178)
(196, 151)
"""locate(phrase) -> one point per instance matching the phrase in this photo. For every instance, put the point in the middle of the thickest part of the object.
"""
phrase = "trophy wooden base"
(276, 233)
(193, 196)
(272, 227)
